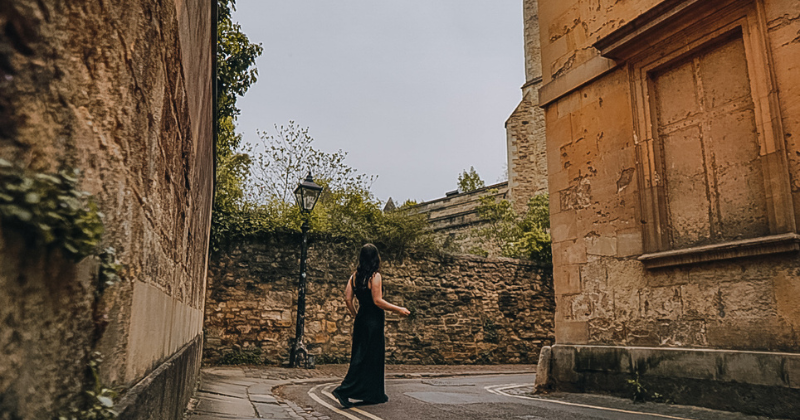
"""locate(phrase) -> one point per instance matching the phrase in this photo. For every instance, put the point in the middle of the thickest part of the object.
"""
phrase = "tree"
(236, 72)
(289, 155)
(526, 237)
(469, 181)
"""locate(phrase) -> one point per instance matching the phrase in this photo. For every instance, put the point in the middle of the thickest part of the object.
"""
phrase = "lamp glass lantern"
(307, 193)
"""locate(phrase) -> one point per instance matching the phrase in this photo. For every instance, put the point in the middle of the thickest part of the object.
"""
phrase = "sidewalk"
(245, 392)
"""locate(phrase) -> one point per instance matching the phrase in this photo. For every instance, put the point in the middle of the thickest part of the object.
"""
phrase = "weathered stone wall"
(605, 293)
(636, 263)
(464, 309)
(454, 219)
(525, 131)
(123, 92)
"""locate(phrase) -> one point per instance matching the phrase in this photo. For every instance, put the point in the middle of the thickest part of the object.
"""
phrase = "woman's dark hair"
(369, 263)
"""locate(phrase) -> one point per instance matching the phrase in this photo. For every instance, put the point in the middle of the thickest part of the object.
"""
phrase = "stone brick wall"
(525, 131)
(602, 217)
(464, 309)
(454, 218)
(673, 166)
(123, 92)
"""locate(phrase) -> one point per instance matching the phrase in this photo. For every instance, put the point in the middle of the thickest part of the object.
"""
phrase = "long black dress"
(364, 379)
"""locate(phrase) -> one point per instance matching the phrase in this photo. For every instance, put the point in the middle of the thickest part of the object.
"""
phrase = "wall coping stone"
(787, 242)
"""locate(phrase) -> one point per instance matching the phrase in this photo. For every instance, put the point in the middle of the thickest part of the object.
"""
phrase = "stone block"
(567, 280)
(629, 244)
(787, 294)
(575, 253)
(572, 332)
(711, 378)
(563, 226)
(601, 245)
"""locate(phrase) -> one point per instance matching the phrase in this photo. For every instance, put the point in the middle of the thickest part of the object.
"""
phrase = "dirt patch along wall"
(121, 92)
(464, 309)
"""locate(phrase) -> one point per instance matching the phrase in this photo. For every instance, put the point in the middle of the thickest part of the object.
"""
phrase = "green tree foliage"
(236, 72)
(526, 237)
(346, 209)
(254, 183)
(236, 59)
(469, 181)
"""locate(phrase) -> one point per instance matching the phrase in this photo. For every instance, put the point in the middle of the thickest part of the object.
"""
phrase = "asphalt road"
(487, 398)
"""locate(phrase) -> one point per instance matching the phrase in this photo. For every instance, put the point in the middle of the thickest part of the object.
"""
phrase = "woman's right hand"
(404, 312)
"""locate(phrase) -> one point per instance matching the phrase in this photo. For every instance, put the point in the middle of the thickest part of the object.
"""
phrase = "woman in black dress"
(364, 379)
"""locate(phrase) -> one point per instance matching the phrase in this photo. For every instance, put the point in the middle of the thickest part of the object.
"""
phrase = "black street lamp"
(307, 193)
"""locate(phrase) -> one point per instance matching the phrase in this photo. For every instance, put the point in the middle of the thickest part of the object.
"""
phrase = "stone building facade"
(525, 133)
(454, 218)
(123, 92)
(464, 309)
(674, 174)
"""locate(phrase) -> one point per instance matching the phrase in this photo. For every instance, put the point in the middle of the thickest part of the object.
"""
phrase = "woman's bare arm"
(348, 297)
(377, 297)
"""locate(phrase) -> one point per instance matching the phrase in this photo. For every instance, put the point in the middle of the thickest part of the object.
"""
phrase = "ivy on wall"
(50, 210)
(53, 213)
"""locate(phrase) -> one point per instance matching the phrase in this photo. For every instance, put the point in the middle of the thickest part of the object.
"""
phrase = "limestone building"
(123, 92)
(674, 174)
(525, 135)
(454, 217)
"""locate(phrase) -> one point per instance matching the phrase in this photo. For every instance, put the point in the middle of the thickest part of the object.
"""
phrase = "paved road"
(485, 398)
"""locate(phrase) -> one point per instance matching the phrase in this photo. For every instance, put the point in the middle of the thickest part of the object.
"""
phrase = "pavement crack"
(252, 404)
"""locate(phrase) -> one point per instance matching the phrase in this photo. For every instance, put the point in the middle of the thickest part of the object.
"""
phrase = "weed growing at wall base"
(242, 357)
(97, 403)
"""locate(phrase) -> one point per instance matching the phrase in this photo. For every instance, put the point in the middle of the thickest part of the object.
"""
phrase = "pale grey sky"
(415, 91)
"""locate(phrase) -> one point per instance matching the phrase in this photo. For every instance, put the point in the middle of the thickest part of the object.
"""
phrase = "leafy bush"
(470, 181)
(526, 237)
(242, 357)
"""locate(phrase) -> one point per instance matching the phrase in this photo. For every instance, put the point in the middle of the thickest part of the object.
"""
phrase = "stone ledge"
(636, 30)
(788, 242)
(762, 383)
(164, 393)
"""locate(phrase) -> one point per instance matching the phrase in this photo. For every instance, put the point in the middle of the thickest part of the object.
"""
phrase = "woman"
(364, 380)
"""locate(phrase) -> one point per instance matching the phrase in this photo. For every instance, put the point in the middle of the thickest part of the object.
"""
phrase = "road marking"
(362, 412)
(498, 390)
(330, 407)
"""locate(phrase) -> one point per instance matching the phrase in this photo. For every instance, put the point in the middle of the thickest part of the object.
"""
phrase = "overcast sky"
(415, 91)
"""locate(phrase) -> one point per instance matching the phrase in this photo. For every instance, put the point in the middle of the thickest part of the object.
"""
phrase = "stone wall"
(525, 131)
(122, 92)
(673, 171)
(454, 218)
(464, 309)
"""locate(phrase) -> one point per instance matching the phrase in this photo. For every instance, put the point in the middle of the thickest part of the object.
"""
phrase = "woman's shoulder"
(376, 278)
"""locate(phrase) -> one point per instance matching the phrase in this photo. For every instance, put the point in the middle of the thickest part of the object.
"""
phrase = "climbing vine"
(50, 209)
(53, 213)
(96, 403)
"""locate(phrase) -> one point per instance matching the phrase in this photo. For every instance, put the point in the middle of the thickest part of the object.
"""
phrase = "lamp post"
(307, 193)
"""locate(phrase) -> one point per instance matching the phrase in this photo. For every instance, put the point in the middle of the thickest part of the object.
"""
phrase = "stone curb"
(285, 409)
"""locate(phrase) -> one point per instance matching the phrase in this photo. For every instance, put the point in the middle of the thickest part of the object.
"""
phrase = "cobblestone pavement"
(245, 392)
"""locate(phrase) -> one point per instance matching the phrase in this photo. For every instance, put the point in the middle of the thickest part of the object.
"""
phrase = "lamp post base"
(299, 356)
